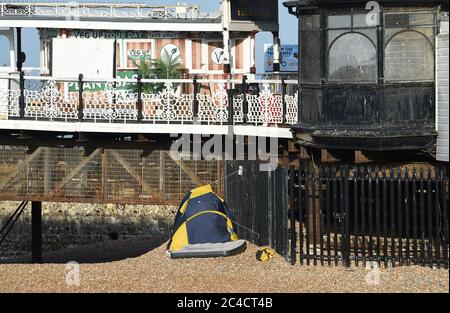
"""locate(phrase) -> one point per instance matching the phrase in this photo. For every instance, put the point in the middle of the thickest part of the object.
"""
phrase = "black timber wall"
(259, 202)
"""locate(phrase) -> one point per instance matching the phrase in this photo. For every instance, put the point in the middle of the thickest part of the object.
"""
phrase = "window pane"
(359, 20)
(353, 57)
(333, 34)
(310, 21)
(311, 111)
(371, 33)
(427, 31)
(4, 52)
(409, 57)
(310, 56)
(339, 21)
(408, 19)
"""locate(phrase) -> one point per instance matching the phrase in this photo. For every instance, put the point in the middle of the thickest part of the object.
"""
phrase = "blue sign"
(289, 58)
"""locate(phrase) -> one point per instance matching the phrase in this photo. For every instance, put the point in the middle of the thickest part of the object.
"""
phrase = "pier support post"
(36, 232)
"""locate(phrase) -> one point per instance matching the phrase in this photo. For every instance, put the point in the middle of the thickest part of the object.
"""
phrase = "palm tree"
(166, 67)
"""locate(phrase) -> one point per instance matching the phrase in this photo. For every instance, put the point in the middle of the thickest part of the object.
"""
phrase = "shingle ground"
(154, 271)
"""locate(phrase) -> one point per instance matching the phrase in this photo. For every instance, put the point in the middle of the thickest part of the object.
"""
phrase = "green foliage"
(167, 67)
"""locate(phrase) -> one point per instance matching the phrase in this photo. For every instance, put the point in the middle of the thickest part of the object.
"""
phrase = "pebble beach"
(153, 271)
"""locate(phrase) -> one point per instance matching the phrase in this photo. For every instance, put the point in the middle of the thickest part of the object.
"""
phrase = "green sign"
(93, 87)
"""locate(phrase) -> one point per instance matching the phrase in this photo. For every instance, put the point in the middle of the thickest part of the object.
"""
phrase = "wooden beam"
(75, 171)
(162, 168)
(292, 147)
(21, 166)
(104, 171)
(127, 166)
(192, 175)
(328, 157)
(360, 157)
(304, 153)
(47, 170)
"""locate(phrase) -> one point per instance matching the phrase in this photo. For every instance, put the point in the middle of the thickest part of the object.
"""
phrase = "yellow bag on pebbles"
(265, 254)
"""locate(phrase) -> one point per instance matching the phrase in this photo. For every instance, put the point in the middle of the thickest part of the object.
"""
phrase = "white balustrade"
(116, 101)
(103, 10)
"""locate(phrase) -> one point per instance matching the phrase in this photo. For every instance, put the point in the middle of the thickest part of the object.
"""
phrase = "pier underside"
(101, 175)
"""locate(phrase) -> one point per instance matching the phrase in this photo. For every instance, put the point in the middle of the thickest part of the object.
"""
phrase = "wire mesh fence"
(102, 175)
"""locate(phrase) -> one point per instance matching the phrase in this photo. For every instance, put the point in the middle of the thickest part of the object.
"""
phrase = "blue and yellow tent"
(203, 227)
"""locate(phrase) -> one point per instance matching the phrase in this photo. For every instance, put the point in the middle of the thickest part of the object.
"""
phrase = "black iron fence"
(360, 215)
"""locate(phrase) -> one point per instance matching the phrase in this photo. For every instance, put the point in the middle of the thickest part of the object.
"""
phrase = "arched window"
(4, 52)
(409, 56)
(352, 57)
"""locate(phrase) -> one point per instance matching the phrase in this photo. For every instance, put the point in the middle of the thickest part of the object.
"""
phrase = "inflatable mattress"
(209, 250)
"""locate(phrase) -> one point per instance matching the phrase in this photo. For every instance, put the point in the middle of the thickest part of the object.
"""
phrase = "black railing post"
(438, 207)
(320, 211)
(430, 218)
(22, 95)
(346, 217)
(385, 218)
(363, 216)
(21, 57)
(195, 103)
(314, 215)
(335, 216)
(300, 213)
(422, 217)
(245, 102)
(80, 97)
(230, 107)
(377, 215)
(328, 213)
(307, 219)
(444, 193)
(356, 212)
(283, 100)
(139, 99)
(401, 201)
(414, 208)
(393, 215)
(292, 216)
(370, 211)
(408, 202)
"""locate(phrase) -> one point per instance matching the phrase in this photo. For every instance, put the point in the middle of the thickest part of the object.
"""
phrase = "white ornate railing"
(51, 103)
(72, 9)
(46, 98)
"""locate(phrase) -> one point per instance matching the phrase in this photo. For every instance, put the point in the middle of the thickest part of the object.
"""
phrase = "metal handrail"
(146, 80)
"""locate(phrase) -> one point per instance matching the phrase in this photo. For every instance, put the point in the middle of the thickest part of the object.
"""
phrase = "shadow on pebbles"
(142, 265)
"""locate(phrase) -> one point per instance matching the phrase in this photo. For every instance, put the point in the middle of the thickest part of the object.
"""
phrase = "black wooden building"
(367, 73)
